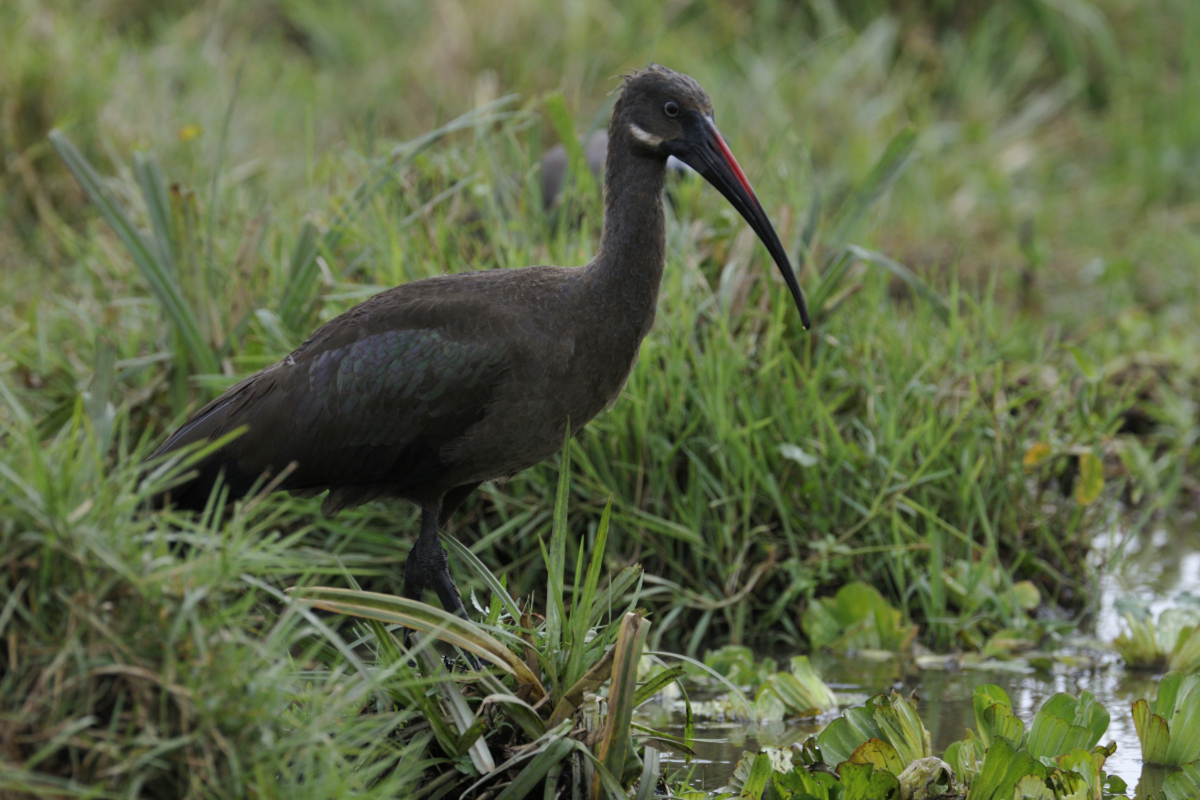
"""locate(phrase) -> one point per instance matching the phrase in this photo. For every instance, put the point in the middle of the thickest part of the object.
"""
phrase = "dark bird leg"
(428, 564)
(442, 581)
(416, 576)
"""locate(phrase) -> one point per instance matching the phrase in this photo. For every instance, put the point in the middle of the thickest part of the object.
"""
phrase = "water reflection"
(1155, 566)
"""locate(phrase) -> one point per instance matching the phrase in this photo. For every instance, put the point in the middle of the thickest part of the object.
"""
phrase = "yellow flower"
(189, 132)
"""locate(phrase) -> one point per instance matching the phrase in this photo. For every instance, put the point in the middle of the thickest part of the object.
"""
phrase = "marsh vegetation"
(994, 214)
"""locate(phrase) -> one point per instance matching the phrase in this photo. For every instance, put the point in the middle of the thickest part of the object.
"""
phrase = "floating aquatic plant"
(1058, 755)
(797, 693)
(1168, 727)
(738, 664)
(1171, 642)
(857, 618)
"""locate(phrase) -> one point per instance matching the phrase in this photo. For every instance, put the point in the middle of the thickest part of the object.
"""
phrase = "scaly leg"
(428, 563)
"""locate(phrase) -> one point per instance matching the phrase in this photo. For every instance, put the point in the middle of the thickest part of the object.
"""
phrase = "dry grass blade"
(592, 680)
(614, 747)
(421, 617)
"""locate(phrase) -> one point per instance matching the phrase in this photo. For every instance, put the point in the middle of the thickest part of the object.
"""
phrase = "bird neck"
(628, 267)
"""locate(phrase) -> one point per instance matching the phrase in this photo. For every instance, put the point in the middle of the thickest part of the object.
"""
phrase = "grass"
(952, 426)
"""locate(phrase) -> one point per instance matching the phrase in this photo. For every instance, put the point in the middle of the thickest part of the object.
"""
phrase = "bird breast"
(620, 386)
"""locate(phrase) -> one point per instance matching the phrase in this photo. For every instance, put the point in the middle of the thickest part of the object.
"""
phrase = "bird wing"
(369, 401)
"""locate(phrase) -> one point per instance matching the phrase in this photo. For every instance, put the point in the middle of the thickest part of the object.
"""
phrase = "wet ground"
(1157, 567)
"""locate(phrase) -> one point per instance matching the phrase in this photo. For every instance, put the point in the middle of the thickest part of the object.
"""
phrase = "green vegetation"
(157, 655)
(882, 750)
(996, 213)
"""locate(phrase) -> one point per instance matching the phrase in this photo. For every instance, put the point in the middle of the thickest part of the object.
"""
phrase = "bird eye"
(671, 109)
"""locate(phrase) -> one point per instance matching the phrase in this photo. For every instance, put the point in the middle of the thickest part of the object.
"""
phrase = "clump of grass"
(589, 641)
(155, 655)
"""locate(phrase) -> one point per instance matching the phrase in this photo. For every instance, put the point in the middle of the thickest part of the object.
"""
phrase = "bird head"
(665, 113)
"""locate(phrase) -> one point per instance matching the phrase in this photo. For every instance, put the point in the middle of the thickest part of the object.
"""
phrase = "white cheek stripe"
(644, 137)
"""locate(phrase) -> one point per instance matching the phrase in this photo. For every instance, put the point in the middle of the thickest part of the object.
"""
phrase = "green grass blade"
(831, 279)
(557, 554)
(157, 273)
(939, 304)
(464, 555)
(581, 608)
(656, 684)
(608, 599)
(556, 109)
(154, 191)
(734, 691)
(296, 306)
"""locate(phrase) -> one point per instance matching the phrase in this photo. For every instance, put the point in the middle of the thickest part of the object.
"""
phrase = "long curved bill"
(716, 163)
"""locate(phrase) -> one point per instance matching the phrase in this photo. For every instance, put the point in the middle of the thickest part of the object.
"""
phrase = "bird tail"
(203, 445)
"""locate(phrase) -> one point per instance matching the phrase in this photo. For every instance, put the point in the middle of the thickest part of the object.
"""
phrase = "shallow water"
(1156, 567)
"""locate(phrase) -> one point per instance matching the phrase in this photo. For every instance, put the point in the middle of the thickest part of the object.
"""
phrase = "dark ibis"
(426, 390)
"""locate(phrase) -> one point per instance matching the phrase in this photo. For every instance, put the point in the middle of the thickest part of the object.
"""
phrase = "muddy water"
(1156, 566)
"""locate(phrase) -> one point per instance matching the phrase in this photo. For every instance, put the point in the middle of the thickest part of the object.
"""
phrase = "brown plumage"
(428, 389)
